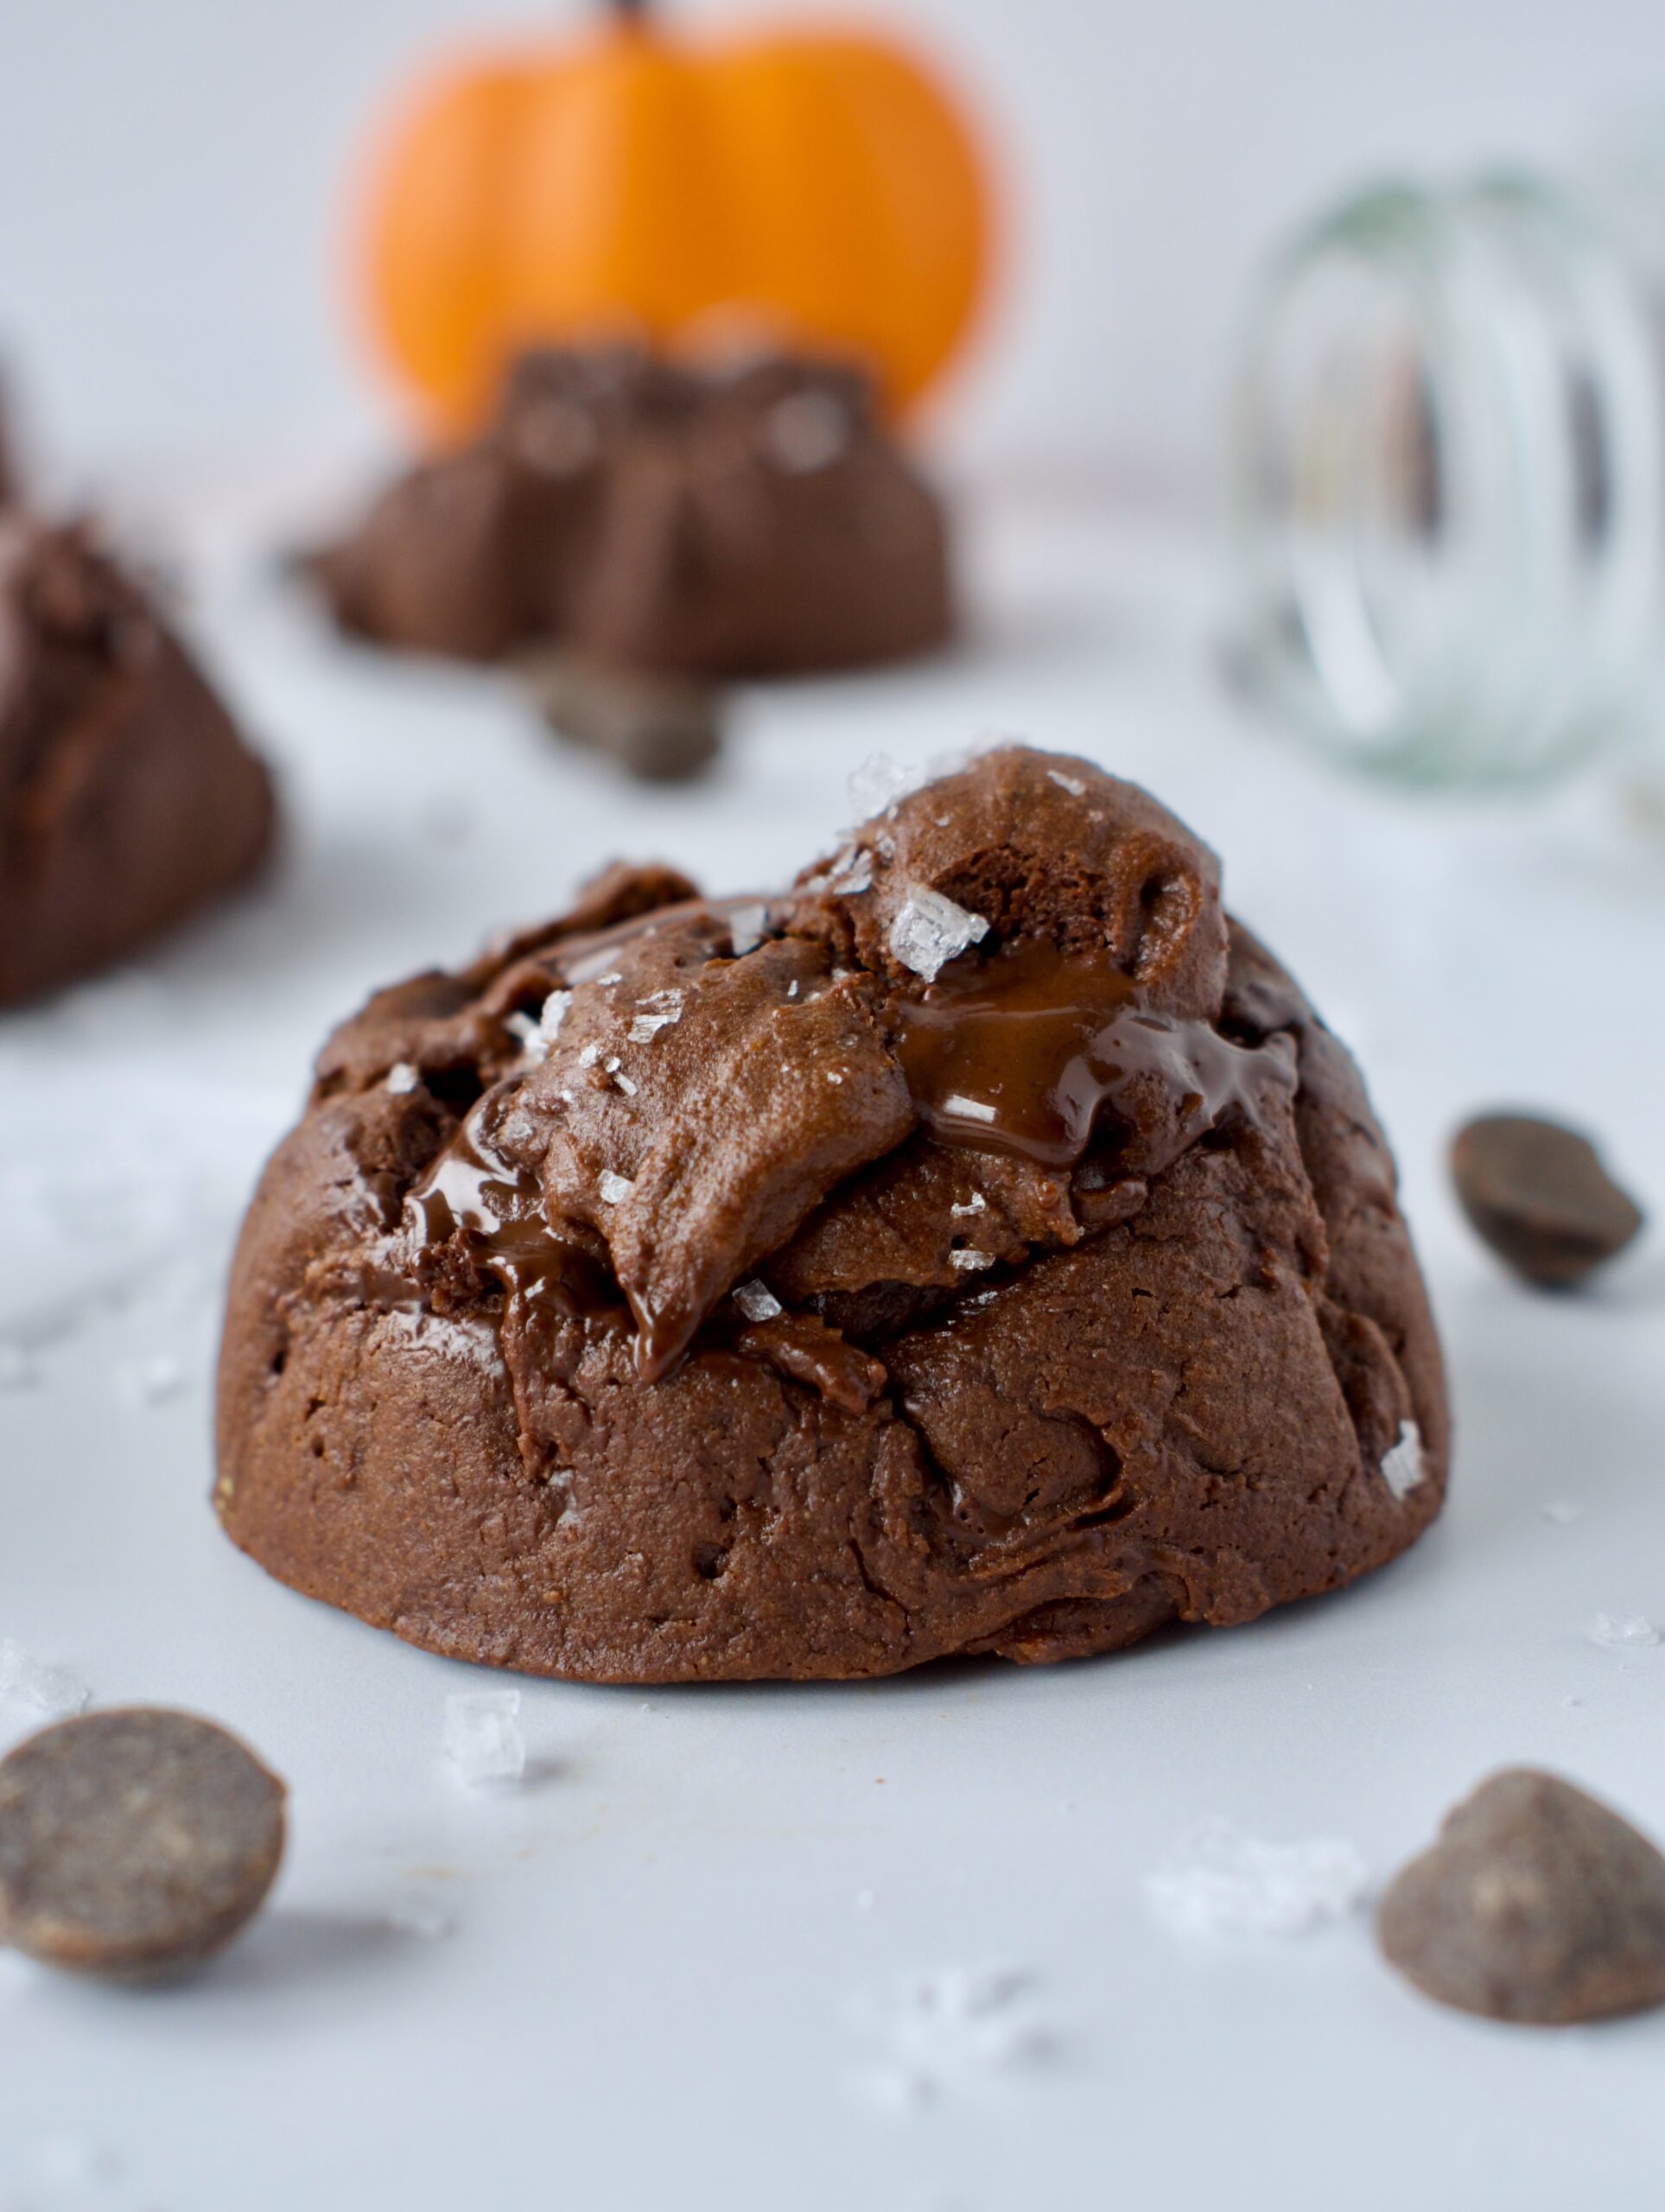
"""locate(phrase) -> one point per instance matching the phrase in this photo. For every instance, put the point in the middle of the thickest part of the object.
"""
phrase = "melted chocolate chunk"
(1021, 1052)
(497, 1209)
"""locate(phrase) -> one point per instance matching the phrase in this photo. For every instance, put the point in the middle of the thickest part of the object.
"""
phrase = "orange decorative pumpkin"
(819, 184)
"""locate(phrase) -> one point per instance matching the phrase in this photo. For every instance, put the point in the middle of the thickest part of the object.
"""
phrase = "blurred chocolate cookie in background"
(655, 518)
(128, 798)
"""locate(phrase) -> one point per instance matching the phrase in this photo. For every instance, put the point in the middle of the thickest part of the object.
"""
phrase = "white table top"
(663, 1971)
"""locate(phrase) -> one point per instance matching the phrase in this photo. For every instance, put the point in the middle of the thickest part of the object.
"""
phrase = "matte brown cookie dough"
(127, 798)
(646, 516)
(980, 1248)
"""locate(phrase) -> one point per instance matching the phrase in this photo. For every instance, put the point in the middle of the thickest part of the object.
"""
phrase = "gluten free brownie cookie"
(981, 1246)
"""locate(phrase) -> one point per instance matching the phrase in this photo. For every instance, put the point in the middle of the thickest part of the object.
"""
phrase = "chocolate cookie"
(980, 1248)
(650, 517)
(127, 798)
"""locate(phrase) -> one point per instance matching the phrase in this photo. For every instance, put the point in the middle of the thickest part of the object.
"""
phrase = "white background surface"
(666, 1979)
(175, 178)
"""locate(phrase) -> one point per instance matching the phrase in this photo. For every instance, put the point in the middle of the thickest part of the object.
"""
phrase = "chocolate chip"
(1535, 1904)
(1540, 1197)
(134, 1843)
(663, 729)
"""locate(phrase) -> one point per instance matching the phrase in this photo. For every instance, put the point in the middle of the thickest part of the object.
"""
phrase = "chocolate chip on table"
(1535, 1904)
(662, 728)
(133, 1843)
(1539, 1196)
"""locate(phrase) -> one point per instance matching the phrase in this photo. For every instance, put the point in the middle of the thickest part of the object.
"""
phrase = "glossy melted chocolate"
(500, 1209)
(1019, 1052)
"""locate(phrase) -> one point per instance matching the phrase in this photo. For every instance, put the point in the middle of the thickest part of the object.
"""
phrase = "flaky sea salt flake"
(659, 1012)
(589, 1056)
(615, 1188)
(952, 2030)
(1622, 1632)
(757, 1301)
(417, 1916)
(836, 867)
(1402, 1467)
(400, 1079)
(46, 1693)
(482, 1742)
(1219, 1881)
(969, 1262)
(745, 927)
(968, 1109)
(976, 1203)
(1073, 785)
(880, 782)
(150, 1381)
(930, 930)
(856, 878)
